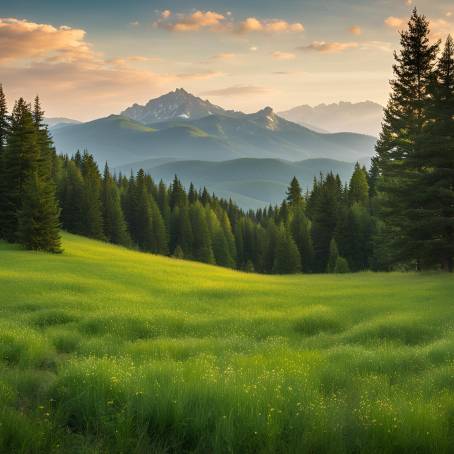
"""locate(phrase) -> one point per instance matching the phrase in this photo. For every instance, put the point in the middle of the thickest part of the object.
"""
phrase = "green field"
(107, 350)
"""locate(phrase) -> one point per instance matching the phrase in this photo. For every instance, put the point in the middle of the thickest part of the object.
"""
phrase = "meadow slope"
(107, 350)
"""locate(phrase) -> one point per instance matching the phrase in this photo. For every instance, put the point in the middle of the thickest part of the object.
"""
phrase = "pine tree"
(47, 154)
(434, 233)
(181, 231)
(272, 236)
(114, 224)
(71, 198)
(358, 190)
(325, 209)
(192, 194)
(4, 131)
(202, 246)
(160, 236)
(228, 234)
(19, 163)
(163, 203)
(354, 236)
(294, 193)
(38, 217)
(4, 122)
(220, 245)
(287, 259)
(178, 197)
(142, 232)
(301, 233)
(401, 140)
(92, 210)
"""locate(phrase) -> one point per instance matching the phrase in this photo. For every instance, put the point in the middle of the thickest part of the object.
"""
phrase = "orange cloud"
(329, 47)
(355, 30)
(198, 20)
(441, 28)
(395, 22)
(224, 56)
(65, 70)
(252, 24)
(283, 55)
(215, 21)
(21, 39)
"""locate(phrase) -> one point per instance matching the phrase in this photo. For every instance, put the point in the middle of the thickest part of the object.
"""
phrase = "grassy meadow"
(105, 350)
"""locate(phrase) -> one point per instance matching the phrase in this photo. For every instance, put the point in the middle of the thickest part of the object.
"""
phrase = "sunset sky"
(88, 59)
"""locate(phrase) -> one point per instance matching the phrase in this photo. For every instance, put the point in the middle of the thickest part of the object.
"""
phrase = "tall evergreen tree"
(287, 258)
(4, 121)
(160, 235)
(301, 233)
(435, 230)
(294, 193)
(114, 224)
(20, 162)
(358, 190)
(71, 197)
(38, 217)
(4, 131)
(47, 154)
(202, 246)
(178, 197)
(92, 210)
(401, 140)
(325, 212)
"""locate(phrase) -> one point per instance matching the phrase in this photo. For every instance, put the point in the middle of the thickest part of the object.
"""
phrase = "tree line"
(400, 214)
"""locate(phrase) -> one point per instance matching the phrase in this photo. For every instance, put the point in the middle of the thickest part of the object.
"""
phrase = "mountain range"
(186, 127)
(249, 157)
(363, 117)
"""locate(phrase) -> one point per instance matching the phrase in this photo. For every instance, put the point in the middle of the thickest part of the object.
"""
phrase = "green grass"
(107, 350)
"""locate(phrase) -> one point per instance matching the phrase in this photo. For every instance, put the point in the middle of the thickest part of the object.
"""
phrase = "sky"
(91, 58)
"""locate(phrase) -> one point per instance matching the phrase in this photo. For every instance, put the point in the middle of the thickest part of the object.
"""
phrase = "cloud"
(222, 22)
(208, 20)
(122, 61)
(329, 47)
(252, 24)
(21, 39)
(441, 28)
(238, 90)
(395, 22)
(60, 65)
(355, 30)
(283, 55)
(224, 56)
